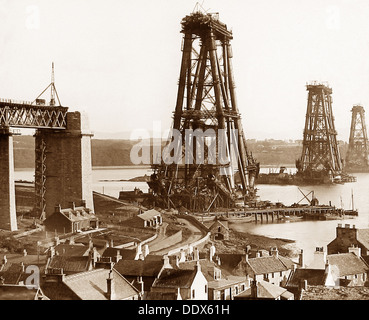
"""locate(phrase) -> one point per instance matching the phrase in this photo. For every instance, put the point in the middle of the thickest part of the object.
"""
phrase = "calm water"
(307, 234)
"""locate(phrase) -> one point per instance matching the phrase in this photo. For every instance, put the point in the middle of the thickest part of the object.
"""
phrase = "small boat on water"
(352, 211)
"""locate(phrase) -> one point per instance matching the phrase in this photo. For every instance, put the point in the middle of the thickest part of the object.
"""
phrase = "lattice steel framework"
(357, 157)
(206, 99)
(27, 115)
(40, 177)
(320, 160)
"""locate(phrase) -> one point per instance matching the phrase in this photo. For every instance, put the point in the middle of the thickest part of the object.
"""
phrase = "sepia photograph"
(187, 155)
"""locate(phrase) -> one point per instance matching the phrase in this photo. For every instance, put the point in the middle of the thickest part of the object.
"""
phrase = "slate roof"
(70, 264)
(33, 259)
(266, 290)
(78, 214)
(207, 268)
(329, 293)
(271, 264)
(127, 254)
(92, 285)
(347, 264)
(144, 268)
(162, 296)
(314, 277)
(71, 250)
(175, 278)
(149, 215)
(223, 223)
(11, 273)
(230, 261)
(226, 282)
(17, 292)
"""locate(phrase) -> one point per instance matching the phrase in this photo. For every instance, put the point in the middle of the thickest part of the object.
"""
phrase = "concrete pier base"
(67, 164)
(8, 215)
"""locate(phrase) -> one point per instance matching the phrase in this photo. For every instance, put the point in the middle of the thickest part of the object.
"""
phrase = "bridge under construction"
(206, 102)
(63, 172)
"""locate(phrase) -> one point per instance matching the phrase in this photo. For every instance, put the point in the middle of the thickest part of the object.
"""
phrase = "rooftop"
(149, 215)
(20, 292)
(92, 285)
(175, 278)
(347, 264)
(341, 293)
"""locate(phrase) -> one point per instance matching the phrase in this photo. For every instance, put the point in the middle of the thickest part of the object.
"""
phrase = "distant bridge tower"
(320, 160)
(357, 157)
(206, 101)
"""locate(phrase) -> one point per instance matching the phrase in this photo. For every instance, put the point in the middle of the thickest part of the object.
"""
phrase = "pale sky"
(119, 60)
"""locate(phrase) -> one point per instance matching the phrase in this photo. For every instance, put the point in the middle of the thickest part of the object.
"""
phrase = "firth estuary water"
(307, 234)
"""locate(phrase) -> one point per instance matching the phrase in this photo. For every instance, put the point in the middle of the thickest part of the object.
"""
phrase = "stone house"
(147, 219)
(71, 220)
(274, 268)
(346, 269)
(222, 285)
(264, 290)
(142, 273)
(98, 284)
(180, 284)
(347, 236)
(219, 229)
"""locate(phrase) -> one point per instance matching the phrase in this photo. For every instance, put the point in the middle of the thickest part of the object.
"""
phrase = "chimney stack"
(72, 205)
(254, 288)
(274, 252)
(118, 256)
(166, 264)
(138, 250)
(320, 259)
(356, 250)
(212, 252)
(110, 286)
(301, 259)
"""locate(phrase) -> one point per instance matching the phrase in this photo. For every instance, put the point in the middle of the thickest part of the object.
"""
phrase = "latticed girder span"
(26, 115)
(357, 156)
(320, 157)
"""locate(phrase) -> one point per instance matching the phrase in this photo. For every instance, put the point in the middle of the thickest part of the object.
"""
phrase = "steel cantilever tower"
(357, 157)
(320, 161)
(206, 103)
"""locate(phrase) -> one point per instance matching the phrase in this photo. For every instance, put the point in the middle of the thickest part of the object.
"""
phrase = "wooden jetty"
(275, 214)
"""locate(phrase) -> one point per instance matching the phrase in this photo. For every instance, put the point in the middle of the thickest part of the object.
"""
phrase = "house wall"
(59, 223)
(199, 287)
(275, 277)
(218, 229)
(345, 237)
(356, 279)
(227, 293)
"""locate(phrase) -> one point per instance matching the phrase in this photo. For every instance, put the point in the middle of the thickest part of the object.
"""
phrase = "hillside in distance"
(114, 152)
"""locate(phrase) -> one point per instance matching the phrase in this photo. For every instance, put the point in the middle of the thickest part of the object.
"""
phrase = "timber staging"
(275, 214)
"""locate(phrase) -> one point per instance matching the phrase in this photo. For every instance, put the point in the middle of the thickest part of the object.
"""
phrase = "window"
(193, 293)
(206, 289)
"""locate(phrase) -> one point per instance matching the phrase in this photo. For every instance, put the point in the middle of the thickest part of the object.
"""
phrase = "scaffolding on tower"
(212, 166)
(320, 161)
(357, 156)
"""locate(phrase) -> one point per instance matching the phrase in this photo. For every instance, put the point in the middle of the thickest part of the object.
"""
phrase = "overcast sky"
(119, 60)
